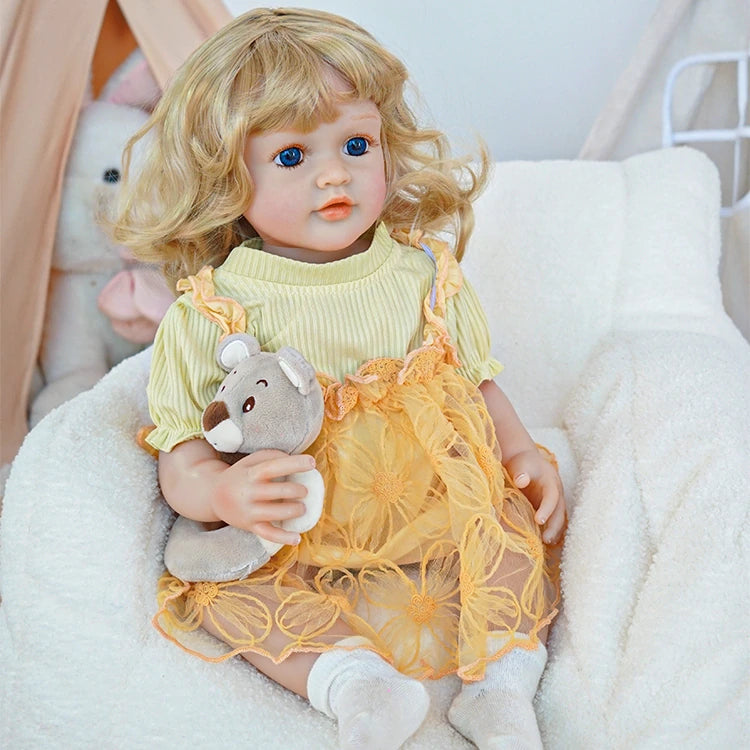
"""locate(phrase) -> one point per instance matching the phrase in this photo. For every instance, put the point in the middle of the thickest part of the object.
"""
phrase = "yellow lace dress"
(425, 546)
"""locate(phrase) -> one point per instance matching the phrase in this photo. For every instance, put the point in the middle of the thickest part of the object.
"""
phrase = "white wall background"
(528, 76)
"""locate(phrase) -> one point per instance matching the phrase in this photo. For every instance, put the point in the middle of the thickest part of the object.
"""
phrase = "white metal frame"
(670, 137)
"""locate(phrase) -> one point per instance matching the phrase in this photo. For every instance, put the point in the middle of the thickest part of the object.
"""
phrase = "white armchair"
(600, 282)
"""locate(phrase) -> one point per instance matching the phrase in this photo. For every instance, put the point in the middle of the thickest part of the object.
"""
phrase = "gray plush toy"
(266, 401)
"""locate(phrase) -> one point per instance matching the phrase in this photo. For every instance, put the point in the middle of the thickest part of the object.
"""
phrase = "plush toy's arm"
(226, 554)
(313, 481)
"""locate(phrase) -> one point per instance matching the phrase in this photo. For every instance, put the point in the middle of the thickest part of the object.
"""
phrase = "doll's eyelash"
(371, 140)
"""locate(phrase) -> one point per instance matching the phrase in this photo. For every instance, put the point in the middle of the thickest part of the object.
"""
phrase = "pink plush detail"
(138, 88)
(135, 300)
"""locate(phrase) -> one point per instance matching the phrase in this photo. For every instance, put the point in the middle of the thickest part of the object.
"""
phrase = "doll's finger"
(282, 466)
(551, 495)
(555, 525)
(272, 533)
(520, 468)
(522, 480)
(274, 511)
(264, 491)
(252, 459)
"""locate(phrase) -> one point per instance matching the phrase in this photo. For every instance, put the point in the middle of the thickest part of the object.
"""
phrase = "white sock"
(376, 707)
(497, 713)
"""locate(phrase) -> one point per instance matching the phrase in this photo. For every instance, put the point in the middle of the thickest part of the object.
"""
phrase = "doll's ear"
(300, 372)
(233, 349)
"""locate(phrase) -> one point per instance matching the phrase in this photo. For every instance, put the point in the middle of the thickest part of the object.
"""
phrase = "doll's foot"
(493, 720)
(376, 707)
(497, 713)
(379, 713)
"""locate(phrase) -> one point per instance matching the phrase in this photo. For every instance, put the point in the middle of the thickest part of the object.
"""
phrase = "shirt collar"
(249, 260)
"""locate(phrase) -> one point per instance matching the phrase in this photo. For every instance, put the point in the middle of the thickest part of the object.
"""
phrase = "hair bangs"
(290, 84)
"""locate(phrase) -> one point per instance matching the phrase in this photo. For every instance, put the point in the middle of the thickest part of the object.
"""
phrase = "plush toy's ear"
(300, 372)
(233, 349)
(132, 84)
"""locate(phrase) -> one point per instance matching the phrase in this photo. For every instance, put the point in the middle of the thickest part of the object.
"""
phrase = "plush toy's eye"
(221, 390)
(111, 175)
(249, 405)
(262, 380)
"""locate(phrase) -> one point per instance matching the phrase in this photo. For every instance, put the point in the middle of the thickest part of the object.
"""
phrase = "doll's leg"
(376, 707)
(497, 712)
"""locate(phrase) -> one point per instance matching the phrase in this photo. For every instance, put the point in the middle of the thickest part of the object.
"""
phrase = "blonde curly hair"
(270, 70)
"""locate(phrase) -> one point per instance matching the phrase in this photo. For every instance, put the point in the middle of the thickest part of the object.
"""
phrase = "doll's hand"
(251, 495)
(538, 479)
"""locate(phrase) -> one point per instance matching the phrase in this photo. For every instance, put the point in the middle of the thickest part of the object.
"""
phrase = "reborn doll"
(285, 155)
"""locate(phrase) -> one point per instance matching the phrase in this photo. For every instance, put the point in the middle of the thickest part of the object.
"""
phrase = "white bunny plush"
(266, 401)
(81, 339)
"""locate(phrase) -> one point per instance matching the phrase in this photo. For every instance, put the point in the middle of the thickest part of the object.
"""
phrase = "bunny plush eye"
(111, 175)
(249, 404)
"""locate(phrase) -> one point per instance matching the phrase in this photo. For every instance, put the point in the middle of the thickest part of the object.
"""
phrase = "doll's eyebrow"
(265, 383)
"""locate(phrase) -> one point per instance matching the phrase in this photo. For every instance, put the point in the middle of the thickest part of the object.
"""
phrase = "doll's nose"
(333, 172)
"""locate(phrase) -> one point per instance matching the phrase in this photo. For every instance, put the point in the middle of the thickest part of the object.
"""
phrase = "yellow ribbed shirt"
(338, 314)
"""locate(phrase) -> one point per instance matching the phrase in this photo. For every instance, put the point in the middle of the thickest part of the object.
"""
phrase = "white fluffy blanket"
(651, 649)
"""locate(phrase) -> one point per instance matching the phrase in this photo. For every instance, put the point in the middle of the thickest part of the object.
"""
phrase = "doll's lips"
(336, 209)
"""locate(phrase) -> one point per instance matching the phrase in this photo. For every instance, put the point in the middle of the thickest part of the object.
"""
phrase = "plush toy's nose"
(219, 429)
(215, 413)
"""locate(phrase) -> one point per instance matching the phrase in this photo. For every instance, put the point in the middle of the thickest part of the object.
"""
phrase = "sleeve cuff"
(164, 438)
(487, 370)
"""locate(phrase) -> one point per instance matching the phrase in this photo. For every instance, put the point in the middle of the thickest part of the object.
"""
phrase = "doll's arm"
(199, 485)
(532, 473)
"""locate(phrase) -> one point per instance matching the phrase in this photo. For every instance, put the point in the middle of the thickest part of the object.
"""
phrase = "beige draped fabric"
(46, 53)
(169, 30)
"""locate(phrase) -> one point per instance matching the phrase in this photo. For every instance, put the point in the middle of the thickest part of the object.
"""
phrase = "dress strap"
(447, 278)
(226, 312)
(433, 290)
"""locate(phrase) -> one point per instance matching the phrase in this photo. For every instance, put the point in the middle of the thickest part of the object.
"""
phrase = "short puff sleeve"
(184, 375)
(467, 324)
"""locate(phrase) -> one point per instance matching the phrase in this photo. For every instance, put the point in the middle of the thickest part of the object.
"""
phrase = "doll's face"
(316, 194)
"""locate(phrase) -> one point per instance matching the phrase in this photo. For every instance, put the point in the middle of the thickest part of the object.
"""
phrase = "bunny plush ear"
(132, 84)
(234, 348)
(300, 372)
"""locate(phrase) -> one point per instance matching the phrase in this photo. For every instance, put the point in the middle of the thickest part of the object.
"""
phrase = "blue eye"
(289, 157)
(357, 146)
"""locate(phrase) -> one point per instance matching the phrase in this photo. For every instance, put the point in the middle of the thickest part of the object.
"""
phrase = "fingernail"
(541, 519)
(311, 462)
(297, 540)
(521, 478)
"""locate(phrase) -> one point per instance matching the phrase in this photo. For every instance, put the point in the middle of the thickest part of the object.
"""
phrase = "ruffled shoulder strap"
(447, 281)
(448, 277)
(226, 312)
